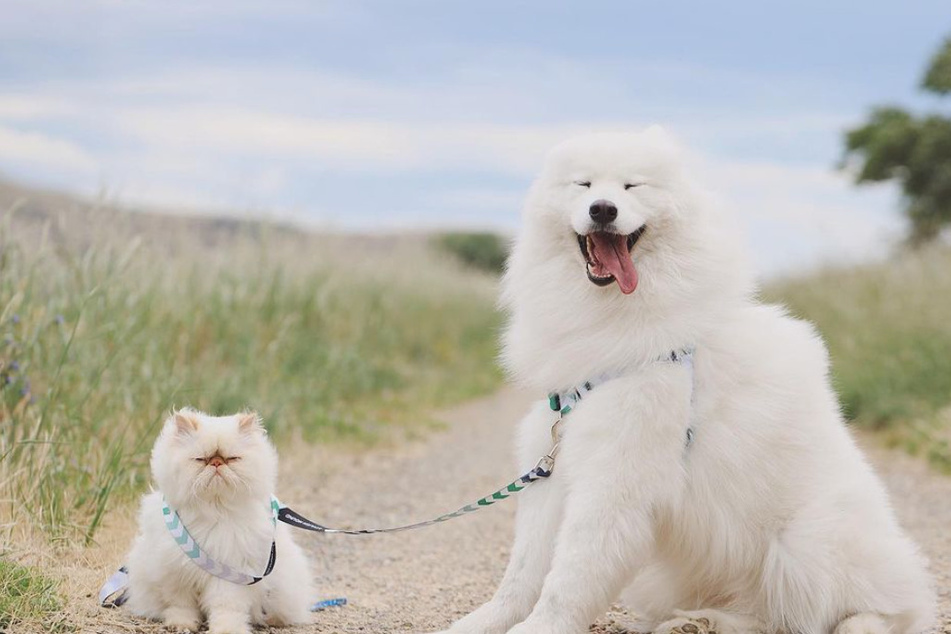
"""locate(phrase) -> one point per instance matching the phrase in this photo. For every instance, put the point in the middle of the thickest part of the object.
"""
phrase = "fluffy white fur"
(772, 521)
(227, 510)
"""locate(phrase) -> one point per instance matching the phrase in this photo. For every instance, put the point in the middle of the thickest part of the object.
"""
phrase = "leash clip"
(545, 464)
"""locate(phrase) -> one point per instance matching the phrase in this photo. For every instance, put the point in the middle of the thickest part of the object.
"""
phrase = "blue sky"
(370, 115)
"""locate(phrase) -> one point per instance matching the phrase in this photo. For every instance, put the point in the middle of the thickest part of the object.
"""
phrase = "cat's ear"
(250, 422)
(185, 422)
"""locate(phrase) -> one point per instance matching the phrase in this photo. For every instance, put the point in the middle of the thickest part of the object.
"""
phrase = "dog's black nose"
(603, 211)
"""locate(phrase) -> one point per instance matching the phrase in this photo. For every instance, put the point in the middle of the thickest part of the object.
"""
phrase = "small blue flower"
(25, 390)
(7, 379)
(60, 320)
(15, 319)
(14, 366)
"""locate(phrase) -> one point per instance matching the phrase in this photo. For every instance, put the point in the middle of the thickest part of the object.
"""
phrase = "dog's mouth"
(608, 258)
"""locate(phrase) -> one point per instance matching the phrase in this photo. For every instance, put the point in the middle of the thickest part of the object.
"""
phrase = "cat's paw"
(228, 623)
(182, 619)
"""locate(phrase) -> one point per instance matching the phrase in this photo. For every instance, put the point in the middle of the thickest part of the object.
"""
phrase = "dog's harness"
(114, 592)
(564, 402)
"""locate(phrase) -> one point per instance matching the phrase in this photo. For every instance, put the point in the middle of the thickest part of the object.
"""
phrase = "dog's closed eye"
(583, 183)
(632, 185)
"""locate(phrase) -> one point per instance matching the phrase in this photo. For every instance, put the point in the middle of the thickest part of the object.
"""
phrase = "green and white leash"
(113, 593)
(560, 402)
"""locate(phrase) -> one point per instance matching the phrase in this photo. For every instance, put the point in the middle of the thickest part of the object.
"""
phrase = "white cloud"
(14, 107)
(361, 145)
(801, 217)
(18, 148)
(478, 199)
(224, 130)
(93, 22)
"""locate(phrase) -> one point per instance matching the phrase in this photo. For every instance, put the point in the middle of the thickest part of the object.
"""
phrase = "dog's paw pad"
(684, 625)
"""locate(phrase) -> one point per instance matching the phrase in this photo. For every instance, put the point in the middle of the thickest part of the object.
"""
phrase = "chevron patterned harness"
(201, 559)
(113, 592)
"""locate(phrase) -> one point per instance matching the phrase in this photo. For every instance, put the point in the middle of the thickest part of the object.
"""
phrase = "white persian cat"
(218, 473)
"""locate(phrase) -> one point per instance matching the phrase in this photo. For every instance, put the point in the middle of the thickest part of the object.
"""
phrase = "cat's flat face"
(213, 458)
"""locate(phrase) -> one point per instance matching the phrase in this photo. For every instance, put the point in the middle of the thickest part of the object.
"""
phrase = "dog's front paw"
(687, 625)
(541, 626)
(525, 628)
(494, 617)
(864, 623)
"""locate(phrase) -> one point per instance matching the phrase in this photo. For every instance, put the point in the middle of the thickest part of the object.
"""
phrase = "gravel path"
(423, 580)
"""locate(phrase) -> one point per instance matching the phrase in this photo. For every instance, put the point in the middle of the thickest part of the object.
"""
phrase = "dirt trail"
(422, 580)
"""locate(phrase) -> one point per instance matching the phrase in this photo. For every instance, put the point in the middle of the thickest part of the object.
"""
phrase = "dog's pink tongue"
(611, 252)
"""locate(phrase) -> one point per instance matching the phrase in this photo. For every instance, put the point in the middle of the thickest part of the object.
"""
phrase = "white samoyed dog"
(769, 518)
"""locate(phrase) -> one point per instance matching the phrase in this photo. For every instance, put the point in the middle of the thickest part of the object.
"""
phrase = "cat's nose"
(216, 461)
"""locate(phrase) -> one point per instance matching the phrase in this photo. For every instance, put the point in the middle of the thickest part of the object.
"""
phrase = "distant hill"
(68, 219)
(75, 223)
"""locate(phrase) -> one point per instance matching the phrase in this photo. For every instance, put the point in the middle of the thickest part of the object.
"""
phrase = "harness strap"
(564, 402)
(200, 558)
(114, 591)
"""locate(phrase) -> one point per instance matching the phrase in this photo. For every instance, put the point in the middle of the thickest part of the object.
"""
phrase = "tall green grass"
(328, 338)
(888, 328)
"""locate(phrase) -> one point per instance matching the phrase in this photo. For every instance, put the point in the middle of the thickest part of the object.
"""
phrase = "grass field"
(106, 323)
(888, 328)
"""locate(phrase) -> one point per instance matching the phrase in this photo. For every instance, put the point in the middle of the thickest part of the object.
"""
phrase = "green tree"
(913, 150)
